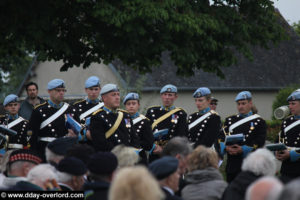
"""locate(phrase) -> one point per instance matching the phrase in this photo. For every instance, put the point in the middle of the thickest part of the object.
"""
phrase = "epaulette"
(154, 107)
(122, 110)
(79, 101)
(2, 115)
(99, 110)
(234, 115)
(40, 105)
(214, 112)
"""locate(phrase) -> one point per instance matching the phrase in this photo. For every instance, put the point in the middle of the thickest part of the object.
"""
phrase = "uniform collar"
(92, 101)
(109, 110)
(135, 115)
(297, 116)
(168, 108)
(57, 106)
(246, 115)
(13, 117)
(204, 110)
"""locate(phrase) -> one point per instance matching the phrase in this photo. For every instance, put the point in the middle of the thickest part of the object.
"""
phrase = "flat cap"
(214, 99)
(92, 81)
(10, 98)
(169, 88)
(56, 83)
(24, 155)
(109, 88)
(163, 167)
(201, 92)
(294, 96)
(60, 146)
(131, 96)
(103, 163)
(244, 95)
(72, 165)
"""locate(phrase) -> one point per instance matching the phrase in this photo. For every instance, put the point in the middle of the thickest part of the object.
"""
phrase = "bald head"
(265, 188)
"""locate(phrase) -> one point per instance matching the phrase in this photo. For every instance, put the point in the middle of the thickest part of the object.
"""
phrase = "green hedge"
(273, 128)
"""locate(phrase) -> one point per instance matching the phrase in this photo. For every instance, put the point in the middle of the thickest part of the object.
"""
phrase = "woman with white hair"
(41, 177)
(257, 164)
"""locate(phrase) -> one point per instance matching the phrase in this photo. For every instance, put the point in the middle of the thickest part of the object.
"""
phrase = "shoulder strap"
(138, 119)
(242, 121)
(91, 110)
(165, 116)
(115, 126)
(55, 115)
(200, 119)
(292, 125)
(15, 122)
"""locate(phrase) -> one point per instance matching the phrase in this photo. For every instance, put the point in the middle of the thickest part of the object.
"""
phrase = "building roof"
(271, 69)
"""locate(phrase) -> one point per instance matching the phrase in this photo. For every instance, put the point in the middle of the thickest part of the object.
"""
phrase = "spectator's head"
(81, 151)
(260, 162)
(265, 188)
(21, 161)
(71, 172)
(291, 190)
(32, 90)
(44, 176)
(102, 166)
(132, 183)
(202, 158)
(57, 149)
(127, 156)
(166, 171)
(180, 148)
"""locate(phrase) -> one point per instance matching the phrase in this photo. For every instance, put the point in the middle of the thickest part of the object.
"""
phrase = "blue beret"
(10, 98)
(131, 96)
(169, 88)
(61, 145)
(201, 92)
(72, 165)
(109, 88)
(294, 96)
(244, 95)
(103, 163)
(92, 81)
(163, 167)
(56, 83)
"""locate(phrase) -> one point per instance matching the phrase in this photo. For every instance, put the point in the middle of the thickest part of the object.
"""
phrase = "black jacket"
(96, 190)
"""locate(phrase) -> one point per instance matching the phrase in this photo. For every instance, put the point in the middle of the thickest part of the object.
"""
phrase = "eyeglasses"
(60, 90)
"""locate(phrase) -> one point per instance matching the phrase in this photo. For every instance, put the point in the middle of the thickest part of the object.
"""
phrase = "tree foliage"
(198, 34)
(296, 27)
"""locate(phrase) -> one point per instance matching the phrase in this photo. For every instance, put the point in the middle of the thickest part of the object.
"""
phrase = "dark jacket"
(206, 184)
(170, 196)
(237, 188)
(27, 108)
(96, 190)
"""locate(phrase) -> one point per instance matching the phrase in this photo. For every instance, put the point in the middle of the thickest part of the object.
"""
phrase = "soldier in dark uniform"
(15, 122)
(168, 116)
(141, 123)
(251, 125)
(111, 126)
(289, 135)
(48, 119)
(204, 125)
(86, 107)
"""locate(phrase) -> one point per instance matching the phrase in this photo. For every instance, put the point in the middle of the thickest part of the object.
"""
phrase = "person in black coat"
(101, 166)
(259, 163)
(250, 125)
(289, 136)
(111, 126)
(166, 172)
(204, 125)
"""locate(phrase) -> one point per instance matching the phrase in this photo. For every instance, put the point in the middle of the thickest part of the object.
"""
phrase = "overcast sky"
(290, 9)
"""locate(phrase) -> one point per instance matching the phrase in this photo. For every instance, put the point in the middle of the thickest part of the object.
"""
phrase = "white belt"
(293, 148)
(242, 121)
(15, 146)
(47, 139)
(90, 111)
(200, 119)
